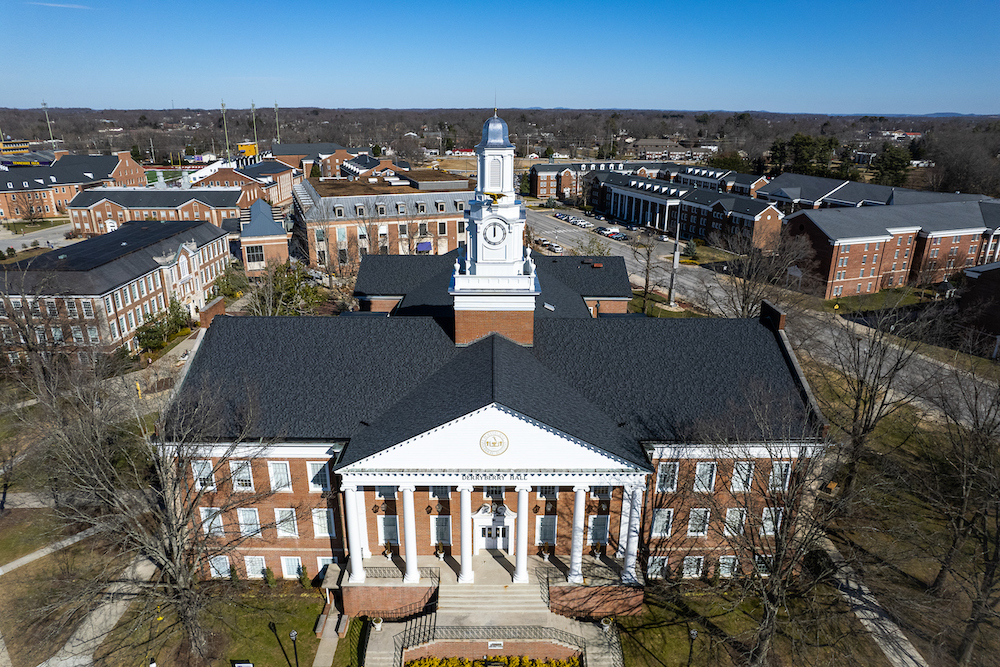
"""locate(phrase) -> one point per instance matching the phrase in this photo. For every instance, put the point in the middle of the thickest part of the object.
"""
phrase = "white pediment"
(490, 439)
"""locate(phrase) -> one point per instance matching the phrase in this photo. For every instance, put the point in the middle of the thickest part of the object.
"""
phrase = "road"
(691, 280)
(54, 235)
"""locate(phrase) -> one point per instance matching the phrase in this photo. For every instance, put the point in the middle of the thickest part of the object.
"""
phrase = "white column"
(412, 574)
(357, 570)
(466, 576)
(579, 526)
(632, 541)
(521, 559)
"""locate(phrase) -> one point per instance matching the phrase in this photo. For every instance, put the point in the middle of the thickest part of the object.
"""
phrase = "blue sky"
(872, 56)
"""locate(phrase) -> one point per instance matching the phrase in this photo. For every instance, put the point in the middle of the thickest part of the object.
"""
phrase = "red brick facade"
(471, 325)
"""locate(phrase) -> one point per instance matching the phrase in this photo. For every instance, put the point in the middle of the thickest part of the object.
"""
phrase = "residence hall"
(502, 407)
(105, 209)
(258, 178)
(46, 191)
(91, 296)
(412, 212)
(263, 238)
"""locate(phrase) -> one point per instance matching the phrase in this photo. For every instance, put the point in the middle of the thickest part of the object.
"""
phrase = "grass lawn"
(347, 648)
(241, 629)
(29, 639)
(655, 309)
(24, 254)
(25, 227)
(887, 298)
(825, 633)
(25, 530)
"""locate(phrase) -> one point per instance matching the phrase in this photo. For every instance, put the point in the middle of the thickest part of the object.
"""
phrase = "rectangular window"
(77, 335)
(663, 520)
(763, 565)
(255, 254)
(727, 566)
(8, 334)
(323, 523)
(388, 529)
(249, 522)
(71, 310)
(770, 521)
(666, 477)
(204, 478)
(219, 566)
(281, 480)
(493, 492)
(284, 521)
(50, 308)
(319, 478)
(441, 492)
(441, 529)
(242, 475)
(422, 229)
(597, 529)
(93, 335)
(603, 492)
(322, 563)
(742, 476)
(3, 309)
(548, 492)
(402, 231)
(692, 566)
(657, 567)
(704, 478)
(461, 226)
(736, 518)
(442, 228)
(385, 492)
(780, 471)
(255, 566)
(698, 522)
(545, 529)
(211, 520)
(291, 567)
(142, 287)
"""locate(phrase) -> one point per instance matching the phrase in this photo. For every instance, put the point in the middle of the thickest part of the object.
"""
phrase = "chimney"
(771, 317)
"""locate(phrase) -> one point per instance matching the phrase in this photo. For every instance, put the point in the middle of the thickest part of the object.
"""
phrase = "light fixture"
(535, 509)
(429, 510)
(439, 507)
(375, 508)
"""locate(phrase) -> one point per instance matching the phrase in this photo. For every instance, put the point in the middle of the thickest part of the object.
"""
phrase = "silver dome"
(495, 134)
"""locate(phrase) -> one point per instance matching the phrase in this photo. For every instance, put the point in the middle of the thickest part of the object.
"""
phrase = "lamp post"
(295, 646)
(692, 635)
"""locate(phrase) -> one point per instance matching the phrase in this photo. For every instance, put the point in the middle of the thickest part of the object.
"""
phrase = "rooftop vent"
(63, 256)
(597, 265)
(549, 306)
(124, 243)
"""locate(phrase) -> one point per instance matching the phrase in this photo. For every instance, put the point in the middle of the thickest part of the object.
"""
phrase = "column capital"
(523, 486)
(407, 487)
(348, 487)
(581, 487)
(465, 487)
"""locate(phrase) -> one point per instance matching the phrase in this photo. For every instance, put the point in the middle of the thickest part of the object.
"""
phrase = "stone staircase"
(496, 599)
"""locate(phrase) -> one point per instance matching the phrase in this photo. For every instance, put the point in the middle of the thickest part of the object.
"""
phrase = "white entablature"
(494, 445)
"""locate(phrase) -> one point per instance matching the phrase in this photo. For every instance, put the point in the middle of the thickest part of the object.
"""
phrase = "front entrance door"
(495, 537)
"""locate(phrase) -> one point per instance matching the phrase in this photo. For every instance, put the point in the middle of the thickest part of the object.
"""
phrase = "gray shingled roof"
(324, 208)
(262, 222)
(99, 264)
(872, 221)
(155, 198)
(730, 202)
(265, 168)
(58, 173)
(796, 187)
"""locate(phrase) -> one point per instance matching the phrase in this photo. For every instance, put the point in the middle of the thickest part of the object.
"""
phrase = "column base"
(521, 579)
(356, 578)
(470, 579)
(575, 578)
(411, 578)
(629, 579)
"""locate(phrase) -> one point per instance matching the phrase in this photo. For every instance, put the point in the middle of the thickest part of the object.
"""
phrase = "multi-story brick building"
(46, 191)
(328, 156)
(497, 412)
(863, 250)
(707, 214)
(567, 181)
(366, 166)
(91, 297)
(271, 180)
(104, 209)
(339, 221)
(263, 239)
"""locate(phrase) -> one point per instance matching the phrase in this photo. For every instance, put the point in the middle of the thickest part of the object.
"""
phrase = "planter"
(439, 554)
(377, 623)
(607, 623)
(545, 556)
(388, 554)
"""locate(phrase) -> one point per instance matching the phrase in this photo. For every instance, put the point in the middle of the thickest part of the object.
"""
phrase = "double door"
(494, 536)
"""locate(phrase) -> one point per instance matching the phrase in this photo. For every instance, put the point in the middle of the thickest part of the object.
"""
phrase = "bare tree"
(592, 247)
(282, 289)
(757, 271)
(650, 273)
(29, 207)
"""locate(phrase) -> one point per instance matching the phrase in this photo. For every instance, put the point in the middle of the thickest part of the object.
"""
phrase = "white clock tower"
(496, 278)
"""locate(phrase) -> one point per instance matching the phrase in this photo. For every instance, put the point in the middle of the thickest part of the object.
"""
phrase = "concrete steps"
(495, 599)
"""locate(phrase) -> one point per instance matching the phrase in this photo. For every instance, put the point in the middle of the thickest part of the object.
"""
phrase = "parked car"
(555, 247)
(663, 237)
(599, 217)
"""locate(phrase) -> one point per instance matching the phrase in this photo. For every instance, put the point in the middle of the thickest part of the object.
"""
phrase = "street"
(54, 235)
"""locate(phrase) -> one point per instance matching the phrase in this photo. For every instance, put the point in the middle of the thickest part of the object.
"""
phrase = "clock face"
(494, 233)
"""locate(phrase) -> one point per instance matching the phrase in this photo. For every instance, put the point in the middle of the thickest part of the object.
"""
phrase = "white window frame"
(435, 518)
(492, 496)
(770, 521)
(322, 520)
(539, 519)
(314, 472)
(295, 562)
(287, 526)
(693, 567)
(597, 494)
(271, 467)
(662, 511)
(656, 567)
(779, 485)
(736, 521)
(323, 562)
(381, 528)
(250, 564)
(660, 469)
(763, 564)
(211, 521)
(591, 519)
(202, 463)
(742, 480)
(691, 518)
(435, 493)
(381, 492)
(542, 492)
(246, 528)
(215, 567)
(235, 467)
(699, 473)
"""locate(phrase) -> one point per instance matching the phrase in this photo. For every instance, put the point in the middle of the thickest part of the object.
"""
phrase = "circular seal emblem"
(494, 443)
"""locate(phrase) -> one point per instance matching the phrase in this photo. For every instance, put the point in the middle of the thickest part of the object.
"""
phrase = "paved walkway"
(894, 644)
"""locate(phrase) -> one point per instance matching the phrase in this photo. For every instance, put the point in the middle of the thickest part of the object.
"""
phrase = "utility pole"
(277, 126)
(253, 118)
(52, 140)
(677, 260)
(225, 129)
(152, 155)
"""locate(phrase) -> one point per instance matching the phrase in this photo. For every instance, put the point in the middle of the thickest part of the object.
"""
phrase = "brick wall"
(379, 305)
(471, 325)
(595, 601)
(216, 306)
(381, 599)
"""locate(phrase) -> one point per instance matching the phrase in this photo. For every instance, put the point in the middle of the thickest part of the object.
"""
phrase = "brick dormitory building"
(488, 407)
